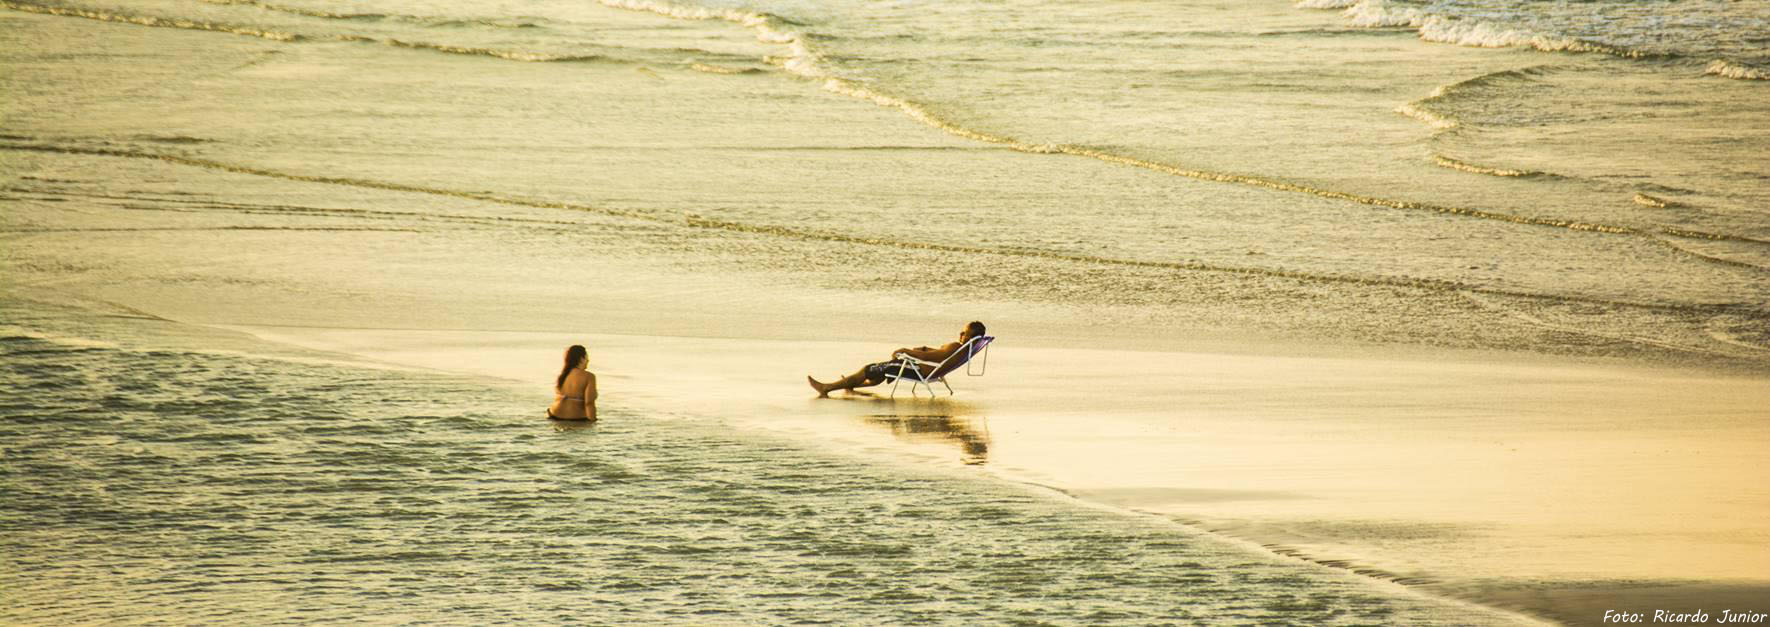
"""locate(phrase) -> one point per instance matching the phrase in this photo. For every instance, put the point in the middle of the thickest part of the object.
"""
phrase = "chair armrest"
(919, 362)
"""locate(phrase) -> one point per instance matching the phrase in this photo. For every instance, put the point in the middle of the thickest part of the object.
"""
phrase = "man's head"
(973, 330)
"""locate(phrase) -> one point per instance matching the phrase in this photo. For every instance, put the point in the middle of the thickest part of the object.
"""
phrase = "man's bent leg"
(857, 380)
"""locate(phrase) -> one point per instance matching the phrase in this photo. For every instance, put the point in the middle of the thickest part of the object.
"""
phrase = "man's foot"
(823, 391)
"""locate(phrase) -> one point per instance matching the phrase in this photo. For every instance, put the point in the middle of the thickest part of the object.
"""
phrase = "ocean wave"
(1423, 110)
(1653, 201)
(144, 20)
(173, 139)
(1743, 333)
(1314, 32)
(16, 340)
(1586, 330)
(699, 222)
(769, 28)
(415, 19)
(1712, 258)
(1447, 162)
(1474, 33)
(806, 63)
(1325, 4)
(1730, 69)
(298, 10)
(510, 55)
(1488, 35)
(1432, 118)
(1717, 260)
(803, 61)
(185, 205)
(526, 56)
(720, 69)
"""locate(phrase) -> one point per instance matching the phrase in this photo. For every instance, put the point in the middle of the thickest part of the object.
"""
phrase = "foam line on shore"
(248, 208)
(1454, 164)
(280, 8)
(526, 22)
(1488, 304)
(806, 63)
(1729, 69)
(291, 37)
(1423, 110)
(1474, 33)
(1710, 258)
(1410, 584)
(1482, 33)
(210, 228)
(144, 20)
(691, 221)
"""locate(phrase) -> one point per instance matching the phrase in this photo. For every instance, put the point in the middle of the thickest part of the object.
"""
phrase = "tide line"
(786, 232)
(289, 37)
(806, 63)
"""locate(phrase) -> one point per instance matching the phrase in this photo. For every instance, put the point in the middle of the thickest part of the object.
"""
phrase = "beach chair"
(910, 366)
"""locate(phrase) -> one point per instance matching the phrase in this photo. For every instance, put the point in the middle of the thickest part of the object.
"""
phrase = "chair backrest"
(970, 349)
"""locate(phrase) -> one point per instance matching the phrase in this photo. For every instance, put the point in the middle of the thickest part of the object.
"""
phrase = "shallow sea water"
(1510, 180)
(1403, 173)
(151, 480)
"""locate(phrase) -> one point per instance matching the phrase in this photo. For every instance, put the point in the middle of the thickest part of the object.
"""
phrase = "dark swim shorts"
(883, 369)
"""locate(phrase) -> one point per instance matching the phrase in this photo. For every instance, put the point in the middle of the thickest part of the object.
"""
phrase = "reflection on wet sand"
(937, 422)
(571, 425)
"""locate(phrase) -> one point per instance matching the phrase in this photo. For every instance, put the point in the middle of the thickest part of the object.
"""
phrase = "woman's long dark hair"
(573, 355)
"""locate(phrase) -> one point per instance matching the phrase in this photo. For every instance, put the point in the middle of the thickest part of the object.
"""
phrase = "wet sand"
(1156, 207)
(1577, 604)
(1556, 489)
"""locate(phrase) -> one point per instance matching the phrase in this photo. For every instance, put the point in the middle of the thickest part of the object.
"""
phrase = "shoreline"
(1245, 512)
(1204, 341)
(1516, 359)
(999, 396)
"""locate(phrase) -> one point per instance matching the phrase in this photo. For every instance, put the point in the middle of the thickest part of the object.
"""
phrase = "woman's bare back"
(576, 398)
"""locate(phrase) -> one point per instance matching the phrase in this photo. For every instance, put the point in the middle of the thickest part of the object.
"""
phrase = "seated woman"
(575, 390)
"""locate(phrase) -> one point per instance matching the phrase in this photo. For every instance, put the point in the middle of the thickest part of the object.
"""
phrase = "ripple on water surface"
(185, 485)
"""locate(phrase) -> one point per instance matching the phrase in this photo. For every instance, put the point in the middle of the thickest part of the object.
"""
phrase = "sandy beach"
(1325, 312)
(1550, 488)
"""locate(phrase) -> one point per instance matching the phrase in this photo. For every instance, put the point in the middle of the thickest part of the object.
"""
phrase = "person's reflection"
(971, 434)
(572, 425)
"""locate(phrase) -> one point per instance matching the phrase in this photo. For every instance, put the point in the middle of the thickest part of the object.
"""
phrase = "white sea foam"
(145, 20)
(1455, 164)
(1471, 32)
(284, 36)
(297, 10)
(1376, 14)
(1418, 111)
(1325, 4)
(1422, 109)
(1729, 69)
(525, 56)
(769, 29)
(720, 69)
(1652, 201)
(805, 62)
(400, 455)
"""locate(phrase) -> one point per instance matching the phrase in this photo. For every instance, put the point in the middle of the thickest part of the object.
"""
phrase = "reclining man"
(874, 374)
